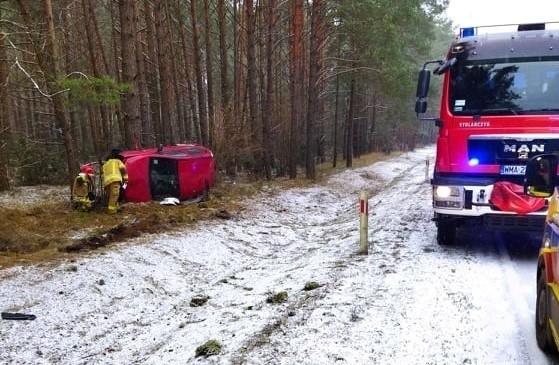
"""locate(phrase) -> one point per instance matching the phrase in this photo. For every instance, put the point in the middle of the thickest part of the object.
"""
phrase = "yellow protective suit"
(83, 192)
(114, 175)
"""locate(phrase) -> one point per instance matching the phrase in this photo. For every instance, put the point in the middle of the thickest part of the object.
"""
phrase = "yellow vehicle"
(541, 181)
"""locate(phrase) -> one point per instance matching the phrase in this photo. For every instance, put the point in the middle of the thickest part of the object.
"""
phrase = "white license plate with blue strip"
(515, 170)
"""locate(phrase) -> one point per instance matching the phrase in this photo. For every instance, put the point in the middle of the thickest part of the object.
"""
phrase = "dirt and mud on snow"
(279, 283)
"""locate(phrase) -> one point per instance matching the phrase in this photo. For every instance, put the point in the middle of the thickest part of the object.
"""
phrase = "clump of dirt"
(311, 285)
(211, 347)
(199, 300)
(277, 298)
(119, 232)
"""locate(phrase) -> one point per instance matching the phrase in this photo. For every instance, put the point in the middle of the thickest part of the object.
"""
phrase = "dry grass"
(48, 231)
(51, 230)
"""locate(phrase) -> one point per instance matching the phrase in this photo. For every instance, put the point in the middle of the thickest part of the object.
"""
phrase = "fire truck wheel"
(543, 331)
(446, 233)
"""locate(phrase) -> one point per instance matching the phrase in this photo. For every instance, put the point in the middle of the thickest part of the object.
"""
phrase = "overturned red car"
(183, 171)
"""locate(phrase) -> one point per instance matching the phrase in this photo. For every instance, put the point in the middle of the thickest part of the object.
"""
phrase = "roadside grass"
(50, 230)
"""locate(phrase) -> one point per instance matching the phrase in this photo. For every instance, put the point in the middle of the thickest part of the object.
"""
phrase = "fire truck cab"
(499, 107)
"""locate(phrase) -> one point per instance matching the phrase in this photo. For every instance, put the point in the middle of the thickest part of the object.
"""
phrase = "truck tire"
(543, 331)
(446, 233)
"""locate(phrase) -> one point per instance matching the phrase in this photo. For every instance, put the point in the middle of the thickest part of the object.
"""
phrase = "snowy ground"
(30, 195)
(408, 301)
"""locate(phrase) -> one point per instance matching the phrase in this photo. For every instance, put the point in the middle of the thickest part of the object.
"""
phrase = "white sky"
(465, 13)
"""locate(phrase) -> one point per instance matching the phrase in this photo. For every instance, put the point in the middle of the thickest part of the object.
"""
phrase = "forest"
(272, 87)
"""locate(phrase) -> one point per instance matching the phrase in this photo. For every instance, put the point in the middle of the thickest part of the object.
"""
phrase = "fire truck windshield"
(525, 86)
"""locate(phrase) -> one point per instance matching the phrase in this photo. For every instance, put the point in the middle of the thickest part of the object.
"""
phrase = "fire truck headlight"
(451, 197)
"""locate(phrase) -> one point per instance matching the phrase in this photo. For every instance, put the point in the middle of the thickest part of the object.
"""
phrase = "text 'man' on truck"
(499, 107)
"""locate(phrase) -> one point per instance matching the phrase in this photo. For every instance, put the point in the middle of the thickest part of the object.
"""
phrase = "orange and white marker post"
(363, 223)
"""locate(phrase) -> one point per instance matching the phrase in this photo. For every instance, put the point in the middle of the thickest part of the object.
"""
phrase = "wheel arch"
(545, 264)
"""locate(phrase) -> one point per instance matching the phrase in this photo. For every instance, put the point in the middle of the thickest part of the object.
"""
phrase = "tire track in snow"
(337, 275)
(425, 283)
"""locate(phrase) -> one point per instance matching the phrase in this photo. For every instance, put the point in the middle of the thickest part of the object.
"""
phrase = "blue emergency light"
(467, 32)
(473, 162)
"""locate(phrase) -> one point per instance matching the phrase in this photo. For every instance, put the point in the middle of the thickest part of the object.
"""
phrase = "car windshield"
(499, 88)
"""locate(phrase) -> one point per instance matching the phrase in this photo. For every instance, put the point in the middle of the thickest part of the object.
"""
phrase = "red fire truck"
(499, 107)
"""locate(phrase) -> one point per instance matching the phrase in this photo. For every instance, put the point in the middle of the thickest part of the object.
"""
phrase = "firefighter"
(114, 177)
(83, 189)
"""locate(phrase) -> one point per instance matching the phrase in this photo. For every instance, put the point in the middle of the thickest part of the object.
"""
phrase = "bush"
(37, 163)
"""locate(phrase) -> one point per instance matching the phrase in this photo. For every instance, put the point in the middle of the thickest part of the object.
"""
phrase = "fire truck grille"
(514, 223)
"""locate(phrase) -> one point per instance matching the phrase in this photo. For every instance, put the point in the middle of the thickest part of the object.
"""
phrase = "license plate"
(513, 169)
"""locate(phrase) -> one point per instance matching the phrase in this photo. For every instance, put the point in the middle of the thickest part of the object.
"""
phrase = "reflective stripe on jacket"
(113, 171)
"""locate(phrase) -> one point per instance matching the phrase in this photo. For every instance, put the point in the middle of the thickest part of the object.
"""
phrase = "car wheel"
(543, 330)
(446, 233)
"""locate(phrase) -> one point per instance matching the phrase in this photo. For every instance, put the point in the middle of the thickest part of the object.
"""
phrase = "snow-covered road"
(409, 301)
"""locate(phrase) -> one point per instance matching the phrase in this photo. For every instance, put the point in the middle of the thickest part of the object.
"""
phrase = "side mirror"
(423, 81)
(420, 106)
(540, 177)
